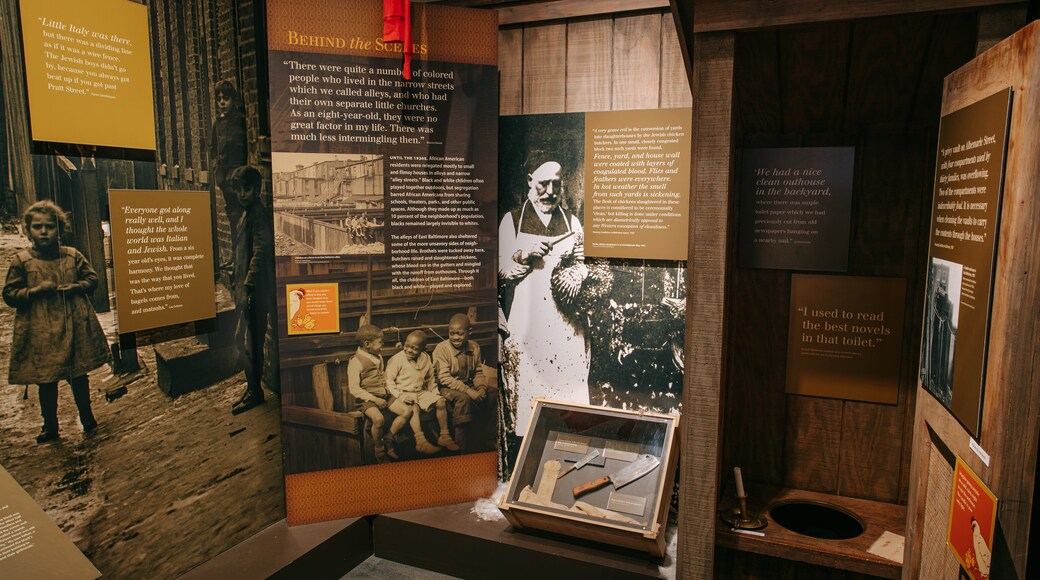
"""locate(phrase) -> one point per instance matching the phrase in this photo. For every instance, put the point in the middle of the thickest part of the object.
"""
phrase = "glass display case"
(595, 473)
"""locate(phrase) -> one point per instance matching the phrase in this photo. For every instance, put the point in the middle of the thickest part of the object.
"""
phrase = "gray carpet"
(380, 569)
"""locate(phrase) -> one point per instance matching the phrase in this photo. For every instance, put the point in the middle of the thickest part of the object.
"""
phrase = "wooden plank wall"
(600, 63)
(872, 84)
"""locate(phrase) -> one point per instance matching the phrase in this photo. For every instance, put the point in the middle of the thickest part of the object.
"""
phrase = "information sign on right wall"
(969, 178)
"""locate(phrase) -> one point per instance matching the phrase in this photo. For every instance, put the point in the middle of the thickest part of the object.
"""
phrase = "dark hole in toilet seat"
(817, 520)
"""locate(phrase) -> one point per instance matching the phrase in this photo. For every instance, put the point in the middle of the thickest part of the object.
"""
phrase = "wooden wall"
(629, 61)
(876, 85)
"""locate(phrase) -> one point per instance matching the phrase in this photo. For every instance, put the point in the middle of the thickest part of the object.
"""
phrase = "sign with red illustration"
(973, 517)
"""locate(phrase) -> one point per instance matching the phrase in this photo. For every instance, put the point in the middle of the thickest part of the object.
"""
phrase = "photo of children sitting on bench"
(389, 400)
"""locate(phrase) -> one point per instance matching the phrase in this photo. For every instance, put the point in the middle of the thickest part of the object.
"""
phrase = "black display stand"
(447, 539)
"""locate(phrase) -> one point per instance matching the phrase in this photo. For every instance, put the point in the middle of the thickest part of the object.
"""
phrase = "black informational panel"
(795, 208)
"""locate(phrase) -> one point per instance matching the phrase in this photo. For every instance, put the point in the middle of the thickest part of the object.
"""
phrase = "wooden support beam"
(562, 9)
(705, 324)
(717, 15)
(682, 14)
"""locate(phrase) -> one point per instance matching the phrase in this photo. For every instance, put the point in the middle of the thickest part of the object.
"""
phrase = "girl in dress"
(56, 331)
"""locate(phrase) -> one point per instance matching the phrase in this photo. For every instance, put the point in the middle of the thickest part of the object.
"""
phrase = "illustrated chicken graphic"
(296, 301)
(982, 551)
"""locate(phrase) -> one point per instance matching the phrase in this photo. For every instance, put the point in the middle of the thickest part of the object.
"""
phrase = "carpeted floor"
(378, 569)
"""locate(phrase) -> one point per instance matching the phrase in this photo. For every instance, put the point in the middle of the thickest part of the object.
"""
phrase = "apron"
(553, 359)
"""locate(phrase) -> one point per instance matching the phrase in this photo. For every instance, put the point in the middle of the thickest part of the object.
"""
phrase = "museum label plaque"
(795, 208)
(88, 72)
(637, 183)
(31, 545)
(162, 253)
(845, 337)
(384, 195)
(313, 308)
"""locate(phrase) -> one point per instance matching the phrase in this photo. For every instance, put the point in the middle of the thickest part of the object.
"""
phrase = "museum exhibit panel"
(512, 289)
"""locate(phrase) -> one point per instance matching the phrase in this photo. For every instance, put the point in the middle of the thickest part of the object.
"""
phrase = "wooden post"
(706, 287)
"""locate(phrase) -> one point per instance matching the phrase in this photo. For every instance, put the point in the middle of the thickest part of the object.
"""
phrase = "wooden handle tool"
(643, 465)
(590, 486)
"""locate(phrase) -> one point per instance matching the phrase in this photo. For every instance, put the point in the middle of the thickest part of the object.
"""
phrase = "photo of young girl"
(57, 335)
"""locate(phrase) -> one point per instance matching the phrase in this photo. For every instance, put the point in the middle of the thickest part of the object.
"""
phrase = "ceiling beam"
(719, 15)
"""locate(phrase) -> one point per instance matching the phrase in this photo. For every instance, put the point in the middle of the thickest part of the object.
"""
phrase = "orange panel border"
(376, 489)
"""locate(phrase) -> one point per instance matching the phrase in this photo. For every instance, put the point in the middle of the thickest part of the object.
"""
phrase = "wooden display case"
(541, 493)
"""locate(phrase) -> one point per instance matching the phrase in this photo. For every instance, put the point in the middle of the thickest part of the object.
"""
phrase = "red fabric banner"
(397, 28)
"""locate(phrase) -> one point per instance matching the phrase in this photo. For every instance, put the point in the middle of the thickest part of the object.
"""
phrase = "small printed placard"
(621, 450)
(571, 443)
(979, 451)
(973, 519)
(31, 545)
(626, 504)
(845, 337)
(796, 208)
(312, 308)
(888, 546)
(597, 461)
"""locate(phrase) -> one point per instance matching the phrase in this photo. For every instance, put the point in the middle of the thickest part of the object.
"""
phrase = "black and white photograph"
(411, 375)
(157, 450)
(328, 204)
(942, 309)
(600, 331)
